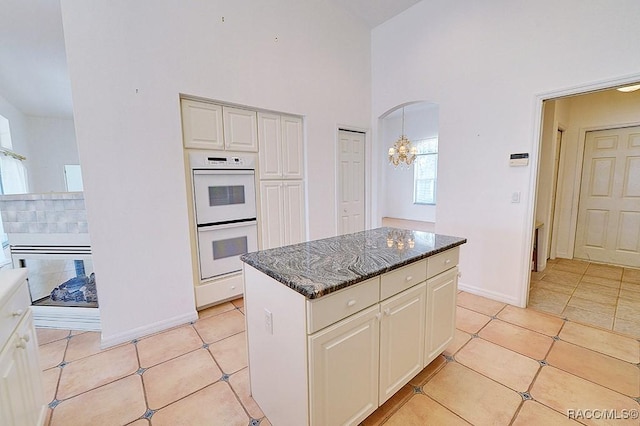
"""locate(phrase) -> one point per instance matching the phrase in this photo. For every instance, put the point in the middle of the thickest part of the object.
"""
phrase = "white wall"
(484, 64)
(128, 63)
(421, 122)
(52, 143)
(594, 111)
(18, 124)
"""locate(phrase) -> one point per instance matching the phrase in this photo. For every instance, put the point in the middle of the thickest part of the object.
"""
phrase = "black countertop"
(317, 268)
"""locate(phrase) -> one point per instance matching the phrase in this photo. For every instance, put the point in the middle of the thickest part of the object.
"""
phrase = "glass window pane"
(226, 195)
(231, 247)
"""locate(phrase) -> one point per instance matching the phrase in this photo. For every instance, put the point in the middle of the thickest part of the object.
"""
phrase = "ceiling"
(33, 68)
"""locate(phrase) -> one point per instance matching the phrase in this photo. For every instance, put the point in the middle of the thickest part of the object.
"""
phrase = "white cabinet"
(343, 370)
(281, 146)
(210, 126)
(281, 213)
(441, 307)
(402, 329)
(21, 395)
(202, 125)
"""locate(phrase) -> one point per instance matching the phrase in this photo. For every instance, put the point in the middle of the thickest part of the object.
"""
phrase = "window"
(425, 171)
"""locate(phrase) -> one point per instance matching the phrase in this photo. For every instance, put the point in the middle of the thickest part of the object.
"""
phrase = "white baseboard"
(146, 330)
(500, 297)
(63, 317)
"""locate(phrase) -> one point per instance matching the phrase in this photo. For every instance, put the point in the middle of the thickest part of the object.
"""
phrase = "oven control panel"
(215, 161)
(224, 161)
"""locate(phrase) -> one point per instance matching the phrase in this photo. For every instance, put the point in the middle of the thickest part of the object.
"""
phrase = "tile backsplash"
(50, 213)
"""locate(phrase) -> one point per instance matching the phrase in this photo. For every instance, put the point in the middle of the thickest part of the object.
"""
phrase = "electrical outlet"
(515, 197)
(268, 321)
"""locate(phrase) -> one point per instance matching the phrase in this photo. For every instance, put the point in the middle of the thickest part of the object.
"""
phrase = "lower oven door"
(220, 247)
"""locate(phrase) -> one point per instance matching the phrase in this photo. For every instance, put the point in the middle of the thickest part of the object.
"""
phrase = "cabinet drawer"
(13, 310)
(333, 307)
(401, 279)
(442, 261)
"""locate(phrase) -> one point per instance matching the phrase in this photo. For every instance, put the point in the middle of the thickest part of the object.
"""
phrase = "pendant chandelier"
(402, 151)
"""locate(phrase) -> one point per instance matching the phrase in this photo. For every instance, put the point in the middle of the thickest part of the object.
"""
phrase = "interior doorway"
(351, 186)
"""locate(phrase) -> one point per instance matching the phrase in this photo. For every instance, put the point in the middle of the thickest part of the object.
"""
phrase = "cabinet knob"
(378, 316)
(408, 278)
(17, 313)
(351, 302)
(21, 344)
(448, 261)
(26, 337)
(233, 287)
(387, 312)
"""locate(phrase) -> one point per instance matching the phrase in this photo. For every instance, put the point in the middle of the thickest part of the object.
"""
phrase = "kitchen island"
(336, 326)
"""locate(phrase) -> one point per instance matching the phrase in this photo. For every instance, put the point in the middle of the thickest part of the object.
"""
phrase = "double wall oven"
(224, 196)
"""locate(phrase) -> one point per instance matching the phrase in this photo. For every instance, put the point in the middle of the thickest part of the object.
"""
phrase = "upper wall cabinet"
(202, 125)
(210, 126)
(281, 146)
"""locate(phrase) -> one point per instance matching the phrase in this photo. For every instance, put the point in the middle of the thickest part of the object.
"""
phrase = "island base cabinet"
(343, 368)
(441, 313)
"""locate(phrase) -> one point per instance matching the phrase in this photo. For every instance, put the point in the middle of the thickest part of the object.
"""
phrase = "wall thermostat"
(521, 159)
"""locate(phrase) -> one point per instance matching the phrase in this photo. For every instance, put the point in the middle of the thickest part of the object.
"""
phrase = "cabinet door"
(201, 125)
(343, 370)
(294, 222)
(240, 129)
(292, 148)
(269, 140)
(441, 313)
(402, 331)
(272, 214)
(21, 398)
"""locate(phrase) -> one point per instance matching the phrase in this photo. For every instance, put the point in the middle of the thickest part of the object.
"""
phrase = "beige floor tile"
(459, 340)
(630, 295)
(532, 320)
(50, 379)
(421, 410)
(230, 353)
(631, 328)
(607, 282)
(502, 365)
(470, 321)
(387, 409)
(555, 287)
(547, 301)
(562, 277)
(174, 379)
(48, 335)
(428, 372)
(97, 370)
(52, 354)
(221, 326)
(635, 287)
(535, 276)
(631, 275)
(518, 339)
(239, 382)
(605, 307)
(628, 310)
(117, 403)
(479, 304)
(164, 346)
(213, 405)
(602, 369)
(533, 413)
(604, 271)
(477, 399)
(590, 317)
(551, 385)
(606, 342)
(215, 310)
(140, 422)
(597, 292)
(83, 345)
(239, 302)
(571, 265)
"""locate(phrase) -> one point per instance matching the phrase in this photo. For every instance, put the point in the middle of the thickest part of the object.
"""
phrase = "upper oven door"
(222, 196)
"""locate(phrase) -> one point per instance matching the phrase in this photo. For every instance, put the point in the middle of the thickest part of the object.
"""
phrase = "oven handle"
(235, 224)
(224, 172)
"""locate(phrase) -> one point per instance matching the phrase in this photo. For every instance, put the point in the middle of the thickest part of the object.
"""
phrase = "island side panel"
(277, 358)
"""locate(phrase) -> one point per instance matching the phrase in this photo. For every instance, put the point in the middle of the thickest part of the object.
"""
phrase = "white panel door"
(294, 229)
(271, 214)
(269, 140)
(343, 370)
(351, 182)
(240, 129)
(292, 148)
(441, 313)
(201, 125)
(608, 227)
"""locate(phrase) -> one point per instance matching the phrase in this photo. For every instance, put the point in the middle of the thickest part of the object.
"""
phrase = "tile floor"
(602, 295)
(506, 366)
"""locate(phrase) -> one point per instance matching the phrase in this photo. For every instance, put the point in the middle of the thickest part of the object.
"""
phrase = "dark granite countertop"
(317, 268)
